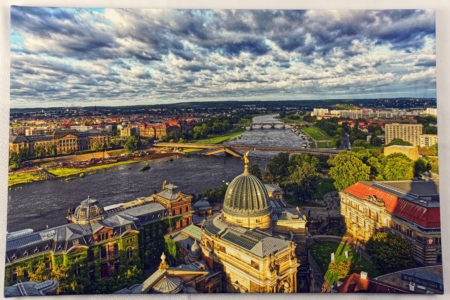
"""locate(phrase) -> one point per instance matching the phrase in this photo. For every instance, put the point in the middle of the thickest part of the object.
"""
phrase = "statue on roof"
(246, 162)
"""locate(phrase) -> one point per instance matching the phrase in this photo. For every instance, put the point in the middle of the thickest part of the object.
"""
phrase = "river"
(44, 203)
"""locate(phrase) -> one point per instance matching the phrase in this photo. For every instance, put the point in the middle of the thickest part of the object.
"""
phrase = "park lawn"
(316, 133)
(64, 172)
(24, 177)
(321, 252)
(221, 138)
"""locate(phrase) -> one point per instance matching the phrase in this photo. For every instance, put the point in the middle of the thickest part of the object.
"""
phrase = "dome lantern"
(87, 212)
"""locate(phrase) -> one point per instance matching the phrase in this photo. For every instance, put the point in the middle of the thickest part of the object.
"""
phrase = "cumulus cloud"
(128, 56)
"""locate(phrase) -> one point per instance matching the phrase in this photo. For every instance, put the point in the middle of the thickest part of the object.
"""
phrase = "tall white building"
(407, 132)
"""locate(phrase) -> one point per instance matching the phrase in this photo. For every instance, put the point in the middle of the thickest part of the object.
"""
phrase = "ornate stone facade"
(239, 241)
(408, 208)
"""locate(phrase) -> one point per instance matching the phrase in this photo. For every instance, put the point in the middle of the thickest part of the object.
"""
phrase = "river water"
(40, 204)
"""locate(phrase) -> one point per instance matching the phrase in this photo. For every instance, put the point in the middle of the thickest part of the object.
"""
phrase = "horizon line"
(222, 100)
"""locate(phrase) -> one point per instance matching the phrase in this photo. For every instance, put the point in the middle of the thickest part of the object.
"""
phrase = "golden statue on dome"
(246, 162)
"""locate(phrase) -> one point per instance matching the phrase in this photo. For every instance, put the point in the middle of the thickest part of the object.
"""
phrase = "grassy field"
(316, 133)
(63, 172)
(321, 253)
(24, 177)
(323, 140)
(221, 138)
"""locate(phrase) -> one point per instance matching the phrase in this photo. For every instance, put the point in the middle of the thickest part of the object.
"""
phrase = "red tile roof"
(355, 284)
(423, 216)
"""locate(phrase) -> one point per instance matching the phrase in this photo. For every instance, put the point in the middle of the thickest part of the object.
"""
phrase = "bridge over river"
(233, 150)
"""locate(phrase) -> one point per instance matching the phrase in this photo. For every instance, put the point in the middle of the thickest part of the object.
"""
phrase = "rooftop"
(415, 201)
(256, 242)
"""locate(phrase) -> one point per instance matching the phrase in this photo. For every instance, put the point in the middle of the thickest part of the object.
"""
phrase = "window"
(103, 252)
(130, 252)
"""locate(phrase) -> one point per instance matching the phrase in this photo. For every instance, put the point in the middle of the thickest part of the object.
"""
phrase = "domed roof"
(195, 252)
(202, 204)
(246, 196)
(88, 211)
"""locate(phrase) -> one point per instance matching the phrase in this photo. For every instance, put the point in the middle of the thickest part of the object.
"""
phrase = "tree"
(52, 151)
(60, 274)
(303, 174)
(347, 169)
(360, 143)
(375, 130)
(398, 167)
(96, 146)
(41, 273)
(132, 144)
(39, 151)
(256, 171)
(14, 161)
(421, 166)
(376, 167)
(399, 142)
(376, 141)
(390, 252)
(278, 166)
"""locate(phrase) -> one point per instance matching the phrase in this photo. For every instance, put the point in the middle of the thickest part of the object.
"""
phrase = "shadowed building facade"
(408, 208)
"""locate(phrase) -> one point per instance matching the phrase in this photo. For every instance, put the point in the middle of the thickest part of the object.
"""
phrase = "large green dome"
(246, 196)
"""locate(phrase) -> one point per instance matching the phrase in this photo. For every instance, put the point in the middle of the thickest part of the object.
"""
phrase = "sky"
(85, 57)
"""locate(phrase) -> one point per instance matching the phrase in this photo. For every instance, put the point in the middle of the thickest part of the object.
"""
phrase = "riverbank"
(40, 173)
(221, 138)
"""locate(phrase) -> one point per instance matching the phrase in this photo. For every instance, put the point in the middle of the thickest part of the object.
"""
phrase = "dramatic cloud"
(138, 56)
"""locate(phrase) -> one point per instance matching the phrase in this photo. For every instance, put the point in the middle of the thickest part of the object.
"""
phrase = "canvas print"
(162, 151)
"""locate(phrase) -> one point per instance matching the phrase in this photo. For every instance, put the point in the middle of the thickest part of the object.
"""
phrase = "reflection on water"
(278, 137)
(38, 204)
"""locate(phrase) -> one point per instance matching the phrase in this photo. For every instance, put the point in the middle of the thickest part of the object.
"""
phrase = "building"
(361, 283)
(193, 277)
(408, 132)
(178, 205)
(100, 243)
(410, 151)
(129, 131)
(428, 140)
(240, 241)
(274, 192)
(59, 142)
(431, 111)
(31, 288)
(320, 111)
(421, 280)
(408, 208)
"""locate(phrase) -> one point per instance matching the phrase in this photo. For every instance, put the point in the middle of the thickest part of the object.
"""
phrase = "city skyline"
(135, 56)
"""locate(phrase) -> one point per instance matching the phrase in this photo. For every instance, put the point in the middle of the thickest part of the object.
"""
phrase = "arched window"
(130, 252)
